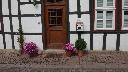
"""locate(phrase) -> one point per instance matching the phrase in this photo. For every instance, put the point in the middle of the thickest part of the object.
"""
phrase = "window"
(125, 14)
(109, 2)
(125, 3)
(99, 3)
(55, 17)
(105, 14)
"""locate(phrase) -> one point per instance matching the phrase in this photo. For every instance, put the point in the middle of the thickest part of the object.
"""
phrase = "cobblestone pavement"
(92, 61)
(29, 69)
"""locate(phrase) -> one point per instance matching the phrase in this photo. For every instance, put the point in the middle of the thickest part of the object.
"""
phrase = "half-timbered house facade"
(51, 23)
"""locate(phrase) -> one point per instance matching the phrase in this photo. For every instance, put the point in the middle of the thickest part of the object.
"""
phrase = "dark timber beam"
(104, 41)
(2, 25)
(68, 23)
(78, 9)
(119, 9)
(37, 2)
(11, 25)
(91, 7)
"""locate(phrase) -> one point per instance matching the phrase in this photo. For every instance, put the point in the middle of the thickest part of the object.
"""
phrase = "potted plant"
(80, 45)
(31, 49)
(69, 49)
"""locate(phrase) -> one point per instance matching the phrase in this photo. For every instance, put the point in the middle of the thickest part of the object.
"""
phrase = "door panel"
(56, 28)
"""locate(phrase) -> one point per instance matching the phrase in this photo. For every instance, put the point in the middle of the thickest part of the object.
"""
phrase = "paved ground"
(93, 61)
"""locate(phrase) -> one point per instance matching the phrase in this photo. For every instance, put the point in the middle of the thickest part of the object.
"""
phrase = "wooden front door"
(56, 26)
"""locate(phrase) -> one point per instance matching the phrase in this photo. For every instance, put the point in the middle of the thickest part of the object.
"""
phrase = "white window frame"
(105, 8)
(124, 8)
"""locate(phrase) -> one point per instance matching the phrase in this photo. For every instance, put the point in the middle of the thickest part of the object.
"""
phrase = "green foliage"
(80, 44)
(20, 39)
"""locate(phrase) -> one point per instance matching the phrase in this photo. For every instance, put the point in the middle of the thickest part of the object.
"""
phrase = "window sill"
(124, 28)
(104, 29)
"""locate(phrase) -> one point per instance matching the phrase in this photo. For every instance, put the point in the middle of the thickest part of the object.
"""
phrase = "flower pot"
(33, 54)
(68, 53)
(80, 53)
(21, 51)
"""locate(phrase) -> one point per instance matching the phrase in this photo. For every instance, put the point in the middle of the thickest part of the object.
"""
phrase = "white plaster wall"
(5, 9)
(84, 5)
(33, 38)
(8, 41)
(72, 20)
(72, 5)
(31, 9)
(37, 0)
(124, 42)
(73, 38)
(15, 23)
(31, 24)
(14, 7)
(86, 37)
(6, 23)
(36, 39)
(111, 42)
(24, 0)
(86, 20)
(1, 42)
(97, 41)
(15, 42)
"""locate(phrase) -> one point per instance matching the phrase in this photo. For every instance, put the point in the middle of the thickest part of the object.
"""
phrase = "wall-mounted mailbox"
(79, 25)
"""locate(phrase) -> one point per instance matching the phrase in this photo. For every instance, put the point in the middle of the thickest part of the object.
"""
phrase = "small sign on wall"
(79, 25)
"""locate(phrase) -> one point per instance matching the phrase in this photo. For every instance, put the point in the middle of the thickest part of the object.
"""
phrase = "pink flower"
(30, 48)
(69, 47)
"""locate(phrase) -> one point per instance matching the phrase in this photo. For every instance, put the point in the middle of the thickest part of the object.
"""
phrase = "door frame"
(43, 19)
